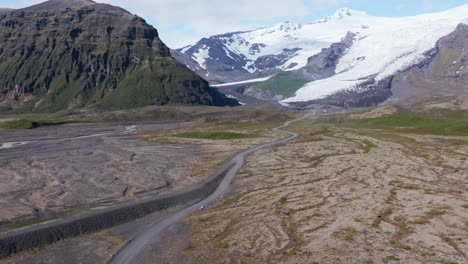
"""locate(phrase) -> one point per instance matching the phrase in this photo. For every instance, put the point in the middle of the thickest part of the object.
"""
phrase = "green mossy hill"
(65, 54)
(280, 86)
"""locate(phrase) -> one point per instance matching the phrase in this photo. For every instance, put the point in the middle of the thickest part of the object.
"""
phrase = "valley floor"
(342, 195)
(342, 192)
(67, 170)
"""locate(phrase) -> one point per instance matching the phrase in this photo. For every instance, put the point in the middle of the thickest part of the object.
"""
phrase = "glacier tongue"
(382, 48)
(309, 39)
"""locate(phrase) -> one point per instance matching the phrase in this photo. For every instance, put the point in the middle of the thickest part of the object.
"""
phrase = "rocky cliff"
(443, 77)
(64, 54)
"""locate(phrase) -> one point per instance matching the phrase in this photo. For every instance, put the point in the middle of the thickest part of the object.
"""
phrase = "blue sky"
(181, 22)
(393, 8)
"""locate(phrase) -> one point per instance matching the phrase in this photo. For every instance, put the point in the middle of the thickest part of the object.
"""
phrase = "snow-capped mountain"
(382, 47)
(262, 52)
(387, 47)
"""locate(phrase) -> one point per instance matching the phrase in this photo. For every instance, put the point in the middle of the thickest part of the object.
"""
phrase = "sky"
(183, 22)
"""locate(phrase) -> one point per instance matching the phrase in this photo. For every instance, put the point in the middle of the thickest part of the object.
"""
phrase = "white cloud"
(208, 17)
(181, 22)
(330, 2)
(428, 5)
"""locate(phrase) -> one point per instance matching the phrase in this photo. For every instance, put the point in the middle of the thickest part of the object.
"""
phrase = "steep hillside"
(64, 54)
(442, 80)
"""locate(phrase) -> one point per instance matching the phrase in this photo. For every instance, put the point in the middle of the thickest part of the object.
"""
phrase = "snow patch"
(201, 55)
(8, 145)
(228, 54)
(130, 129)
(242, 82)
(184, 49)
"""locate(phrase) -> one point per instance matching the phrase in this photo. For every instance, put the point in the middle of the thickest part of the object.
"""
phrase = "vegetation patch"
(285, 84)
(283, 200)
(457, 142)
(290, 253)
(417, 123)
(368, 146)
(116, 241)
(27, 124)
(403, 231)
(203, 219)
(347, 234)
(436, 212)
(27, 223)
(316, 161)
(430, 192)
(408, 186)
(454, 191)
(392, 258)
(225, 245)
(190, 247)
(419, 222)
(381, 217)
(228, 202)
(213, 135)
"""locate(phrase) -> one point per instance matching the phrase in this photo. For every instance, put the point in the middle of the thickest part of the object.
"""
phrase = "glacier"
(382, 49)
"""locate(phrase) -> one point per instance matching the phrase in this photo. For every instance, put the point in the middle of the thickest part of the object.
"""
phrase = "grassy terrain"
(453, 125)
(213, 135)
(285, 84)
(28, 223)
(224, 123)
(334, 163)
(35, 120)
(25, 124)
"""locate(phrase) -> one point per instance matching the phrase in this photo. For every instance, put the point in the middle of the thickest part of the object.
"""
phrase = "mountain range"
(348, 59)
(67, 54)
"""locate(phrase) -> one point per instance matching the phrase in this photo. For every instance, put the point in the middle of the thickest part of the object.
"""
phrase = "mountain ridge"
(218, 61)
(286, 47)
(57, 4)
(91, 54)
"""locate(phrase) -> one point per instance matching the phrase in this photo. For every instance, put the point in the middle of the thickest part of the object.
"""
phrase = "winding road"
(131, 250)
